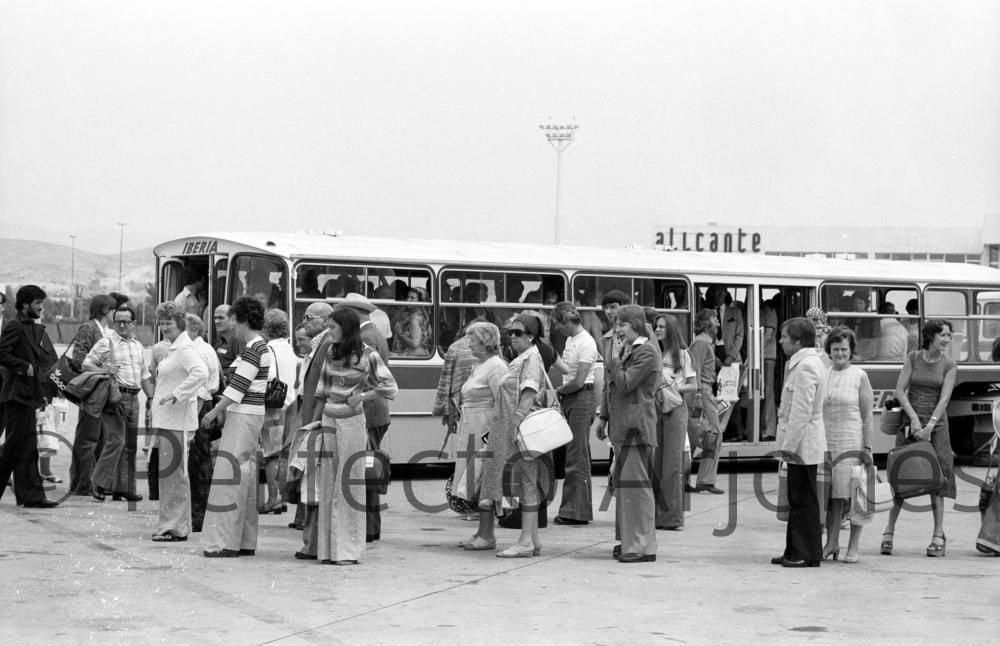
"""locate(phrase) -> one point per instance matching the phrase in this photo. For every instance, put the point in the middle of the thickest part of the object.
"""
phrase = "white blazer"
(801, 435)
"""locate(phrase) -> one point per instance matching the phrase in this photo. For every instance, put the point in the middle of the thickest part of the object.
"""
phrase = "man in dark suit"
(376, 410)
(26, 354)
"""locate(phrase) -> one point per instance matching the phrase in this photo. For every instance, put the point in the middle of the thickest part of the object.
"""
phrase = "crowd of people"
(218, 416)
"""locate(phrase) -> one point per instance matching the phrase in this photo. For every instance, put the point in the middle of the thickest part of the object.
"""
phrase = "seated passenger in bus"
(892, 342)
(412, 330)
(309, 284)
(340, 286)
(260, 287)
(866, 330)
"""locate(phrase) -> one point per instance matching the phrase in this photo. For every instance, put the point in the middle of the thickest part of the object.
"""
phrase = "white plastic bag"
(729, 382)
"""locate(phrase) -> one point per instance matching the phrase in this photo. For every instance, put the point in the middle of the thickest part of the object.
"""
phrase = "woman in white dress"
(847, 418)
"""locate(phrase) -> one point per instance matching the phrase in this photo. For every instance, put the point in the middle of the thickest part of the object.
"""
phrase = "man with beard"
(26, 353)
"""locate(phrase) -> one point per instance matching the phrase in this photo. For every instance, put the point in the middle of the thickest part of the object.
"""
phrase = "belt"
(128, 391)
(585, 387)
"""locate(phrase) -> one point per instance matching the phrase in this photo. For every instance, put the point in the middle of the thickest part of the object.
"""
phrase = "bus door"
(734, 306)
(199, 271)
(777, 304)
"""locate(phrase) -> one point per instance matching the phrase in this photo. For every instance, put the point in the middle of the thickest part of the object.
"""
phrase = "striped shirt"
(249, 381)
(340, 380)
(125, 355)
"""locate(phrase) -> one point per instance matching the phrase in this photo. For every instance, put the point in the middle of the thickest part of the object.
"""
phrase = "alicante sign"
(713, 239)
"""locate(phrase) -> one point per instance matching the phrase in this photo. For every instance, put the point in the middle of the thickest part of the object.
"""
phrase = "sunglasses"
(516, 332)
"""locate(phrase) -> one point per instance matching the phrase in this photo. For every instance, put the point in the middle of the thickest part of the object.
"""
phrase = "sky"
(421, 118)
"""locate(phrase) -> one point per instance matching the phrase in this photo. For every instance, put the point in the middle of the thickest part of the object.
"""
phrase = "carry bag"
(274, 396)
(667, 396)
(782, 492)
(728, 380)
(914, 470)
(62, 373)
(545, 428)
(891, 417)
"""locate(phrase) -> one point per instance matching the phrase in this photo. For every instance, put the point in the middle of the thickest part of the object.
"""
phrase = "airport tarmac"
(87, 573)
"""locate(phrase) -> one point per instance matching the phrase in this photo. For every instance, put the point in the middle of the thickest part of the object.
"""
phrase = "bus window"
(988, 307)
(506, 293)
(952, 306)
(171, 280)
(876, 314)
(261, 277)
(219, 282)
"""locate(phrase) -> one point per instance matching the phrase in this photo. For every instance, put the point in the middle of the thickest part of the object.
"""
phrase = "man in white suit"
(802, 442)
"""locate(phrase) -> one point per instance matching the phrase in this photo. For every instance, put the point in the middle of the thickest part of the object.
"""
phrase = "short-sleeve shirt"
(580, 348)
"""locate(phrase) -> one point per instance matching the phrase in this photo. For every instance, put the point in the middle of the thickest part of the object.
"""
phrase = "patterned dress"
(525, 371)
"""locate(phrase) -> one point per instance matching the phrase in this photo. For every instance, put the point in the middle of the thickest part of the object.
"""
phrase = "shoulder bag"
(667, 396)
(62, 373)
(274, 395)
(544, 428)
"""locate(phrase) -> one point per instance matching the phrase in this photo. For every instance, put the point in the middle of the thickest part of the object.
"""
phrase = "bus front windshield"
(261, 277)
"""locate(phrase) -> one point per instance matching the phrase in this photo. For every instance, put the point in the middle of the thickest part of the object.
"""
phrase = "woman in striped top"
(333, 456)
(230, 527)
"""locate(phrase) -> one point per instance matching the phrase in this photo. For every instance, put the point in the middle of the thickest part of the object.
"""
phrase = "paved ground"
(87, 573)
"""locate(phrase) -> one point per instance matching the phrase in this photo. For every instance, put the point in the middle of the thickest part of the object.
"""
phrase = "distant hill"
(48, 266)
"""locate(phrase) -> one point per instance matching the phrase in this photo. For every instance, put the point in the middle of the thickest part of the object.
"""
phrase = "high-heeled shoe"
(886, 546)
(537, 550)
(834, 553)
(849, 558)
(937, 549)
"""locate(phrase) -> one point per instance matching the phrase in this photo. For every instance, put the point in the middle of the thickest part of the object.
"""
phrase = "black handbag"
(277, 390)
(914, 470)
(62, 373)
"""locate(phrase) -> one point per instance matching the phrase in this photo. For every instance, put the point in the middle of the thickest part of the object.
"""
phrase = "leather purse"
(914, 470)
(891, 419)
(544, 428)
(667, 396)
(274, 395)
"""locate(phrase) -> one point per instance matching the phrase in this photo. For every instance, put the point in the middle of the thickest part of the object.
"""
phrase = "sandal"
(479, 544)
(937, 549)
(886, 547)
(168, 538)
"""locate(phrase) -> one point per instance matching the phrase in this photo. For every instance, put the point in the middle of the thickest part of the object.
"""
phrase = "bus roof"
(557, 257)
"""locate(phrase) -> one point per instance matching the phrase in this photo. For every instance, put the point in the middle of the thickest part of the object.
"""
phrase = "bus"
(453, 282)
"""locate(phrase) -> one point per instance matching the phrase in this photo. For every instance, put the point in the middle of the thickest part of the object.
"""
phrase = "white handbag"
(544, 429)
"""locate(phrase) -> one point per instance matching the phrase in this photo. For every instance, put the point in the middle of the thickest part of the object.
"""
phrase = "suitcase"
(914, 470)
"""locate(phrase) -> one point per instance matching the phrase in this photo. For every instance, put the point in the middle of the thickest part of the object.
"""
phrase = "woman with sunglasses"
(524, 379)
(628, 418)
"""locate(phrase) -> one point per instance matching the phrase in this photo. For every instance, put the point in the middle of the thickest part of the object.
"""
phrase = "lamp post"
(72, 278)
(121, 254)
(559, 137)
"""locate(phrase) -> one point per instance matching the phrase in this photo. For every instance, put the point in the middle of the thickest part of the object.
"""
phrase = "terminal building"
(974, 245)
